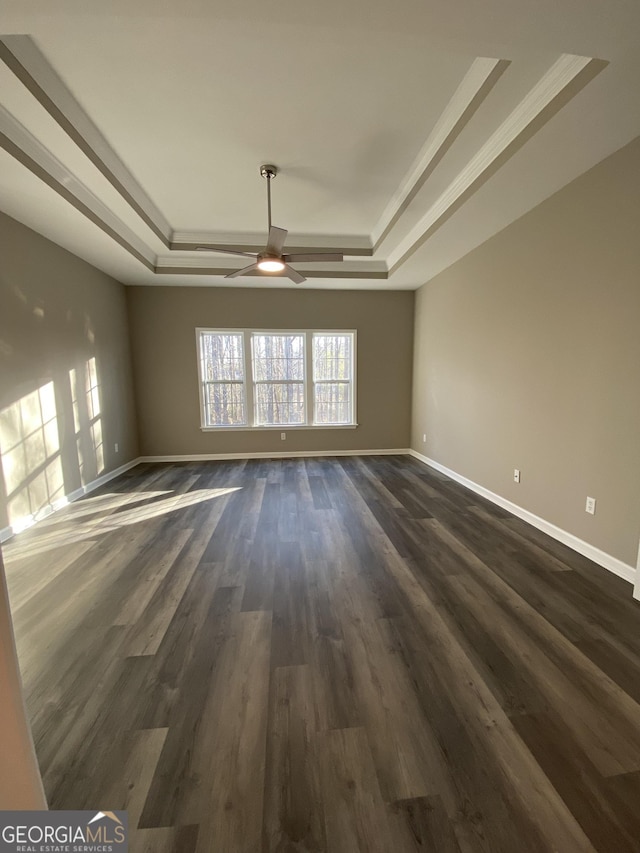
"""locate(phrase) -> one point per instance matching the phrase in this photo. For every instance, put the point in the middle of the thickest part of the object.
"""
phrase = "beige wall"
(20, 782)
(527, 355)
(57, 314)
(163, 322)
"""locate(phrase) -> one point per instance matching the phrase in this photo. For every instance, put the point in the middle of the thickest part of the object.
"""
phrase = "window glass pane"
(333, 403)
(331, 357)
(224, 404)
(222, 356)
(280, 403)
(278, 358)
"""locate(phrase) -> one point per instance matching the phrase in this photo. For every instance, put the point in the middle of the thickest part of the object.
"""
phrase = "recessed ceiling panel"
(407, 131)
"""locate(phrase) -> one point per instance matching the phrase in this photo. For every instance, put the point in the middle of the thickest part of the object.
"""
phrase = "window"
(332, 378)
(278, 376)
(260, 379)
(222, 377)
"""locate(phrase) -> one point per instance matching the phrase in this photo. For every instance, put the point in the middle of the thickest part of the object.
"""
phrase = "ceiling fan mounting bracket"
(267, 170)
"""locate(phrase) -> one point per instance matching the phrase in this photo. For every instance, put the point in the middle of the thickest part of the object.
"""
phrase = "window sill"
(280, 428)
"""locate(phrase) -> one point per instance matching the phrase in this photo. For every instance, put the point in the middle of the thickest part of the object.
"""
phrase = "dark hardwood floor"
(338, 655)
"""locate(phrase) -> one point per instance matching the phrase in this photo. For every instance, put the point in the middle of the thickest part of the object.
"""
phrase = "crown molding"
(200, 260)
(566, 77)
(166, 265)
(21, 144)
(356, 246)
(24, 59)
(479, 80)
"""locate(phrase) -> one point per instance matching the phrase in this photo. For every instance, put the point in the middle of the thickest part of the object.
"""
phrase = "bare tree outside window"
(278, 374)
(332, 378)
(222, 369)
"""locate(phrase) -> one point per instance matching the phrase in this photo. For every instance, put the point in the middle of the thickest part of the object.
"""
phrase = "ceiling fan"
(271, 259)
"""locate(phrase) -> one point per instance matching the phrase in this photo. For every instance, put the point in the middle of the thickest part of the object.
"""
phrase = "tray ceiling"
(406, 134)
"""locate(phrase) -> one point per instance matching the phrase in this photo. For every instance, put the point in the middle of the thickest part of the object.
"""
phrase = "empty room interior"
(320, 423)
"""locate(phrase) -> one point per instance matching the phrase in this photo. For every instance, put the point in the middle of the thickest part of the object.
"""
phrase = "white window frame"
(252, 381)
(248, 383)
(352, 382)
(202, 383)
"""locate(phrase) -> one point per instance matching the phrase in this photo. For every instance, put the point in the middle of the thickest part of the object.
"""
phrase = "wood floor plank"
(65, 715)
(258, 579)
(543, 558)
(150, 580)
(182, 839)
(290, 640)
(614, 659)
(336, 704)
(605, 733)
(607, 816)
(149, 630)
(422, 825)
(176, 790)
(609, 728)
(490, 808)
(293, 815)
(232, 761)
(354, 812)
(201, 614)
(77, 599)
(25, 575)
(105, 743)
(130, 778)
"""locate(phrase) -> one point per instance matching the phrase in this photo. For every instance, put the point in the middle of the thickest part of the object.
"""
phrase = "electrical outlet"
(424, 438)
(591, 506)
(283, 435)
(516, 475)
(116, 447)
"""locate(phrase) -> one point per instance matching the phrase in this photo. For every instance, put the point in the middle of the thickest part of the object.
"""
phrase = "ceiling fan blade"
(225, 251)
(294, 275)
(314, 256)
(275, 241)
(244, 271)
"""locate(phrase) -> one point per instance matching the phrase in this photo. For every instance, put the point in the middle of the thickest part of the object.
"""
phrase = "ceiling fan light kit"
(272, 260)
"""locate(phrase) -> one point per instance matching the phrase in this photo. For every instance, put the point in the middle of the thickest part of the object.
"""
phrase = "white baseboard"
(27, 521)
(622, 570)
(280, 454)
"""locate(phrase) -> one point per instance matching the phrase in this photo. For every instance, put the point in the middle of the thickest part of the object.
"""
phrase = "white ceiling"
(411, 131)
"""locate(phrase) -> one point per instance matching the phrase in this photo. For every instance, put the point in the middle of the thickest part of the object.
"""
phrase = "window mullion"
(309, 389)
(248, 379)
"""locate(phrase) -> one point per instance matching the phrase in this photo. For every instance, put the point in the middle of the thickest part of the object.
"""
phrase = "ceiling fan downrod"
(268, 171)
